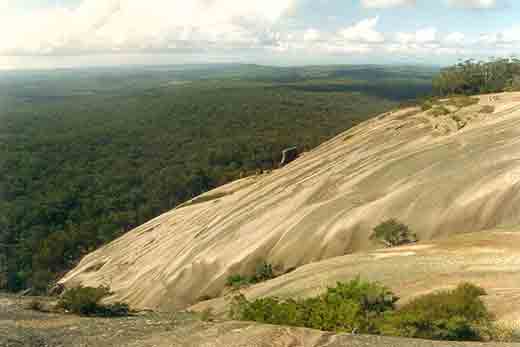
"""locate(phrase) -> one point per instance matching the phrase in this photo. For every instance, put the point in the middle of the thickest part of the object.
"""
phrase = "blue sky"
(75, 33)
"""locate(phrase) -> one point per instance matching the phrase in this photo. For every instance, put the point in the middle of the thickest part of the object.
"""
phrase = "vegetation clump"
(478, 77)
(36, 305)
(86, 301)
(456, 315)
(356, 306)
(238, 281)
(393, 233)
(427, 104)
(369, 308)
(263, 272)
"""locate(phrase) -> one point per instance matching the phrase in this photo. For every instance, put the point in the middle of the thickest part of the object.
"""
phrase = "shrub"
(457, 315)
(87, 301)
(393, 233)
(40, 281)
(118, 309)
(369, 308)
(263, 272)
(237, 281)
(36, 305)
(207, 315)
(356, 306)
(427, 105)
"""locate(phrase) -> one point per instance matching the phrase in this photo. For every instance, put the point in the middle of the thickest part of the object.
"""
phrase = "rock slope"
(441, 175)
(490, 259)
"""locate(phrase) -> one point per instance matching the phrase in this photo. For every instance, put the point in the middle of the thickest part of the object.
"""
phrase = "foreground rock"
(488, 259)
(23, 328)
(425, 170)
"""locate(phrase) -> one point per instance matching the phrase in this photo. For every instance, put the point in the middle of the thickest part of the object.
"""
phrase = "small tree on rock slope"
(393, 233)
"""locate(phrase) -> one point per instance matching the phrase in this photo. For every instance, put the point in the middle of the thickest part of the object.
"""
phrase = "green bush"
(263, 272)
(393, 233)
(207, 315)
(237, 281)
(356, 306)
(427, 105)
(87, 301)
(369, 308)
(457, 315)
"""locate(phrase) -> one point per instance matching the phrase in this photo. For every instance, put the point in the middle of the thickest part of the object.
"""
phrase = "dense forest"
(478, 77)
(87, 155)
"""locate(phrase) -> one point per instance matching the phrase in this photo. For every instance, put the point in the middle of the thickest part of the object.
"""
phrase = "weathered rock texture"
(490, 259)
(426, 171)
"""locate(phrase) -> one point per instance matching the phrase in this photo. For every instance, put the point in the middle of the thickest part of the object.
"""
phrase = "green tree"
(393, 233)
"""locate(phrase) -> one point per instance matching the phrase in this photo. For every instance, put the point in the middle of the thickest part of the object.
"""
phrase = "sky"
(43, 34)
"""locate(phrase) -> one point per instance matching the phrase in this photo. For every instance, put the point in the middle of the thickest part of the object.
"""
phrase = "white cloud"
(426, 35)
(508, 36)
(5, 64)
(455, 38)
(363, 32)
(483, 4)
(387, 3)
(95, 30)
(137, 25)
(511, 34)
(311, 35)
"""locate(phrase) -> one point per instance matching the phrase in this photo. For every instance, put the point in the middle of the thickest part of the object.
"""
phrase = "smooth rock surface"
(434, 174)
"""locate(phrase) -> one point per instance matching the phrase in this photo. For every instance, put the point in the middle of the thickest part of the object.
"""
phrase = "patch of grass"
(86, 301)
(393, 233)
